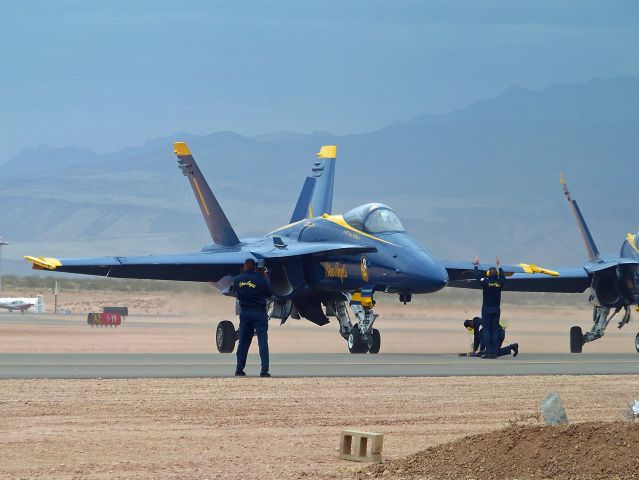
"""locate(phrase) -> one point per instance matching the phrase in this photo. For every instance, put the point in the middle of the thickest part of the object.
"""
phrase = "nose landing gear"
(361, 337)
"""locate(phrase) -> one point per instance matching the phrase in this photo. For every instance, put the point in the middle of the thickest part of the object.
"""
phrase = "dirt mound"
(593, 450)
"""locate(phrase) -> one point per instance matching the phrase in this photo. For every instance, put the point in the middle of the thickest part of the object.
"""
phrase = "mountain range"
(481, 180)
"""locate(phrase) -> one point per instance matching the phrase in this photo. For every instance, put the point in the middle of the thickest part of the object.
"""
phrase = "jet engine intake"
(615, 287)
(286, 278)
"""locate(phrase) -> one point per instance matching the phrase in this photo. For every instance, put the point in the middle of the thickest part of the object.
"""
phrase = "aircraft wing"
(466, 270)
(193, 267)
(190, 267)
(568, 280)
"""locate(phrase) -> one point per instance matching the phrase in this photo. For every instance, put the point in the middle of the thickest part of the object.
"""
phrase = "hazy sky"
(105, 75)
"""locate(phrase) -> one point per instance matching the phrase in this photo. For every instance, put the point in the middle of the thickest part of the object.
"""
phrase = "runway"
(28, 365)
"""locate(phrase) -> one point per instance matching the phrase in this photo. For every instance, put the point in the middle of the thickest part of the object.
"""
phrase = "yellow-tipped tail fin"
(180, 148)
(327, 151)
(43, 263)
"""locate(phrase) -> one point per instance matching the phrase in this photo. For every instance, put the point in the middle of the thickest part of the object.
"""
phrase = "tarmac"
(158, 365)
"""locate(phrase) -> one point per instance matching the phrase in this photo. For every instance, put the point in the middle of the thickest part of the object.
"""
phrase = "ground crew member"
(252, 290)
(474, 328)
(491, 284)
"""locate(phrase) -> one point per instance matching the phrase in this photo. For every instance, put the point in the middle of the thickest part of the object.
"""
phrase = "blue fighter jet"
(613, 281)
(320, 265)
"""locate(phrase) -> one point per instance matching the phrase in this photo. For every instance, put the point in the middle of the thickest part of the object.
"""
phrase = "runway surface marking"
(312, 364)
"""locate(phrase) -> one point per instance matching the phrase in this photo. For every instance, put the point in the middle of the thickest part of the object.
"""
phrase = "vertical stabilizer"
(221, 231)
(324, 174)
(304, 200)
(591, 248)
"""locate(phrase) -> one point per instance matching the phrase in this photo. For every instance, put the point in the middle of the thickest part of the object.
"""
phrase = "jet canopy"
(374, 218)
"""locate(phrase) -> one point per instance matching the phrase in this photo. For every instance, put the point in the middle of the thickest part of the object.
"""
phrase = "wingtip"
(180, 148)
(532, 268)
(43, 263)
(328, 151)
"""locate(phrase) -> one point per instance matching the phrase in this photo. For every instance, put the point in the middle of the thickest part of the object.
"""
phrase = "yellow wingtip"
(532, 268)
(180, 148)
(562, 180)
(328, 151)
(43, 263)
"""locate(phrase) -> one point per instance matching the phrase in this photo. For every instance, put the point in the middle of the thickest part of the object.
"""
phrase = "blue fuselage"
(399, 264)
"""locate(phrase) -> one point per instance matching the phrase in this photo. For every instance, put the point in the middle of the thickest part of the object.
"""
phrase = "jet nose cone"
(440, 277)
(429, 276)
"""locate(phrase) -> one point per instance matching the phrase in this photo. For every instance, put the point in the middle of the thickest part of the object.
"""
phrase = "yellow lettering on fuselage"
(246, 284)
(335, 270)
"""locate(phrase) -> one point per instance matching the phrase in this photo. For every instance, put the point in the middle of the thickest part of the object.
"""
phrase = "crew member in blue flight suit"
(491, 284)
(475, 329)
(253, 290)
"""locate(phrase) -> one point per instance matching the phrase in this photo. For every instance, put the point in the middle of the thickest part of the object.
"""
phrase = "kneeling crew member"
(491, 285)
(252, 290)
(474, 328)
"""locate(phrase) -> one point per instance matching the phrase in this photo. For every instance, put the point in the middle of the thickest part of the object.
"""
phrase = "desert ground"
(185, 322)
(276, 428)
(243, 428)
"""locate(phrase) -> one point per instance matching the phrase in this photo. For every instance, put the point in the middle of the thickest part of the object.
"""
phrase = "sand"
(269, 428)
(241, 428)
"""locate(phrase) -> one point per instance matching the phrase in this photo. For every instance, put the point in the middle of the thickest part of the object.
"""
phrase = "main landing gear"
(361, 337)
(226, 336)
(601, 317)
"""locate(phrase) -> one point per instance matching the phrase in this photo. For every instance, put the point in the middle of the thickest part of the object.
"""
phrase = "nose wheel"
(376, 342)
(355, 341)
(358, 343)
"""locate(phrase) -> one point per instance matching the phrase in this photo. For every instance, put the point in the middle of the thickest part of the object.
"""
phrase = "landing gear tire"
(377, 341)
(577, 340)
(356, 342)
(225, 337)
(637, 342)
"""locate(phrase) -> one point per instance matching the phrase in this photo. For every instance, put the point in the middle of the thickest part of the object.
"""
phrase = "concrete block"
(358, 446)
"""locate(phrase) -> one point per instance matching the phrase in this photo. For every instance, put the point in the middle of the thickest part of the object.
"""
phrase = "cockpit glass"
(383, 220)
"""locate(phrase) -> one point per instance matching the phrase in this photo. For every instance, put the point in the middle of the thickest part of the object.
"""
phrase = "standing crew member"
(491, 285)
(252, 290)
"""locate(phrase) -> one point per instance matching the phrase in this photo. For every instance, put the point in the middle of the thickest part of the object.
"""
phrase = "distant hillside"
(479, 180)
